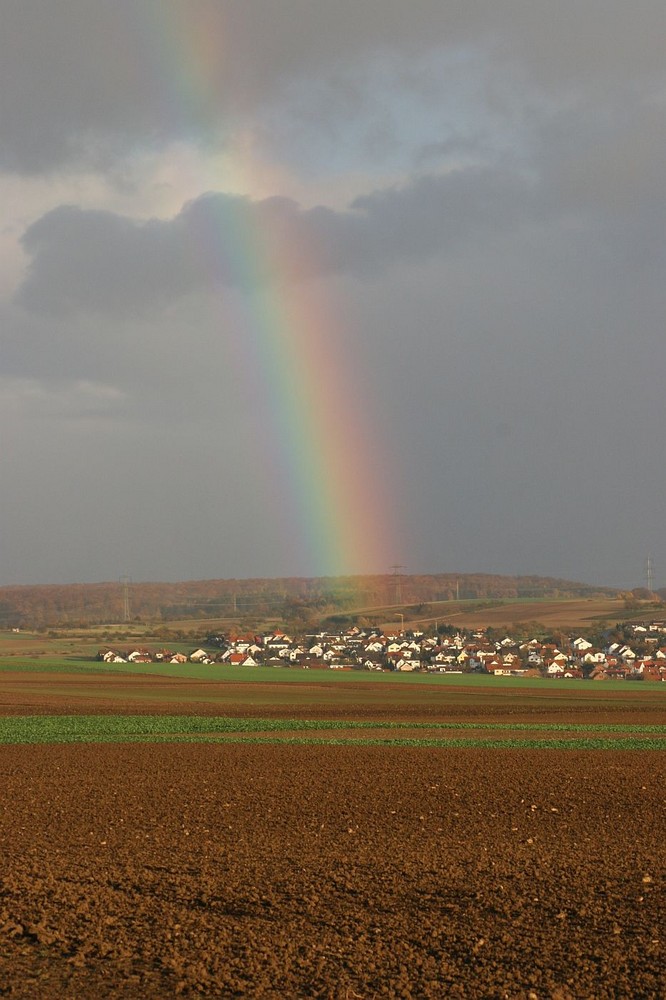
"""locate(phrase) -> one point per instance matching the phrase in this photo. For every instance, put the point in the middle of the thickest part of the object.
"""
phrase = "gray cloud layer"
(88, 82)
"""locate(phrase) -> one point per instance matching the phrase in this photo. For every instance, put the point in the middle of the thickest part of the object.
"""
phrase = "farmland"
(227, 831)
(564, 613)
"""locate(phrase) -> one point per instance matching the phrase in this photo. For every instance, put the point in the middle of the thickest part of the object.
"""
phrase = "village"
(639, 655)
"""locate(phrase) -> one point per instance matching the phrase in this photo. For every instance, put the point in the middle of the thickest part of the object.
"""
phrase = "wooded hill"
(46, 606)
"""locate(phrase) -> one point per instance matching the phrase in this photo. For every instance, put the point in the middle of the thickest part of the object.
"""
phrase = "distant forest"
(54, 605)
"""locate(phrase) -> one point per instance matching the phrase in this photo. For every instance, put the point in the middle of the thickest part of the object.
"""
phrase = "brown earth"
(48, 693)
(332, 872)
(579, 612)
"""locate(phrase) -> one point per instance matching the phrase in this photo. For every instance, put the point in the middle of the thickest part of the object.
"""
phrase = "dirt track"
(134, 871)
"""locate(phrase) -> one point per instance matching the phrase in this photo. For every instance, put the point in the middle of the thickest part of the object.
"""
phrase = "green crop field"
(294, 675)
(63, 700)
(164, 728)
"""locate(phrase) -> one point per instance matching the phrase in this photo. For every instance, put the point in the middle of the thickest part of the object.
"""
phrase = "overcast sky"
(475, 190)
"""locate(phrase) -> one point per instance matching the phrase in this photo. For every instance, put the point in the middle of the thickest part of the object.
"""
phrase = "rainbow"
(331, 486)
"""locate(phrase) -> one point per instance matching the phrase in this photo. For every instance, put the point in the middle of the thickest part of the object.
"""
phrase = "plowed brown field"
(45, 693)
(337, 872)
(229, 870)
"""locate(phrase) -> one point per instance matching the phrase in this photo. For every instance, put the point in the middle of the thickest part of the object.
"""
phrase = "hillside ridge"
(41, 605)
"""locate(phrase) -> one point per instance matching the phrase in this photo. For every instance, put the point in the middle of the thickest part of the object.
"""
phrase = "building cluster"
(641, 657)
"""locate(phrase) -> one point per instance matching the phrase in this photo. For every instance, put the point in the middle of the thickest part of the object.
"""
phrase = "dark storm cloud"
(503, 308)
(99, 261)
(92, 260)
(607, 166)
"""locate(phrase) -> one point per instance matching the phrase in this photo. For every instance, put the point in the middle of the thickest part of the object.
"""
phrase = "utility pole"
(649, 573)
(396, 567)
(125, 581)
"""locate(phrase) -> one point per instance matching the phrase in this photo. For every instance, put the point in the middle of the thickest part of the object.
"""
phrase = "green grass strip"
(450, 742)
(158, 728)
